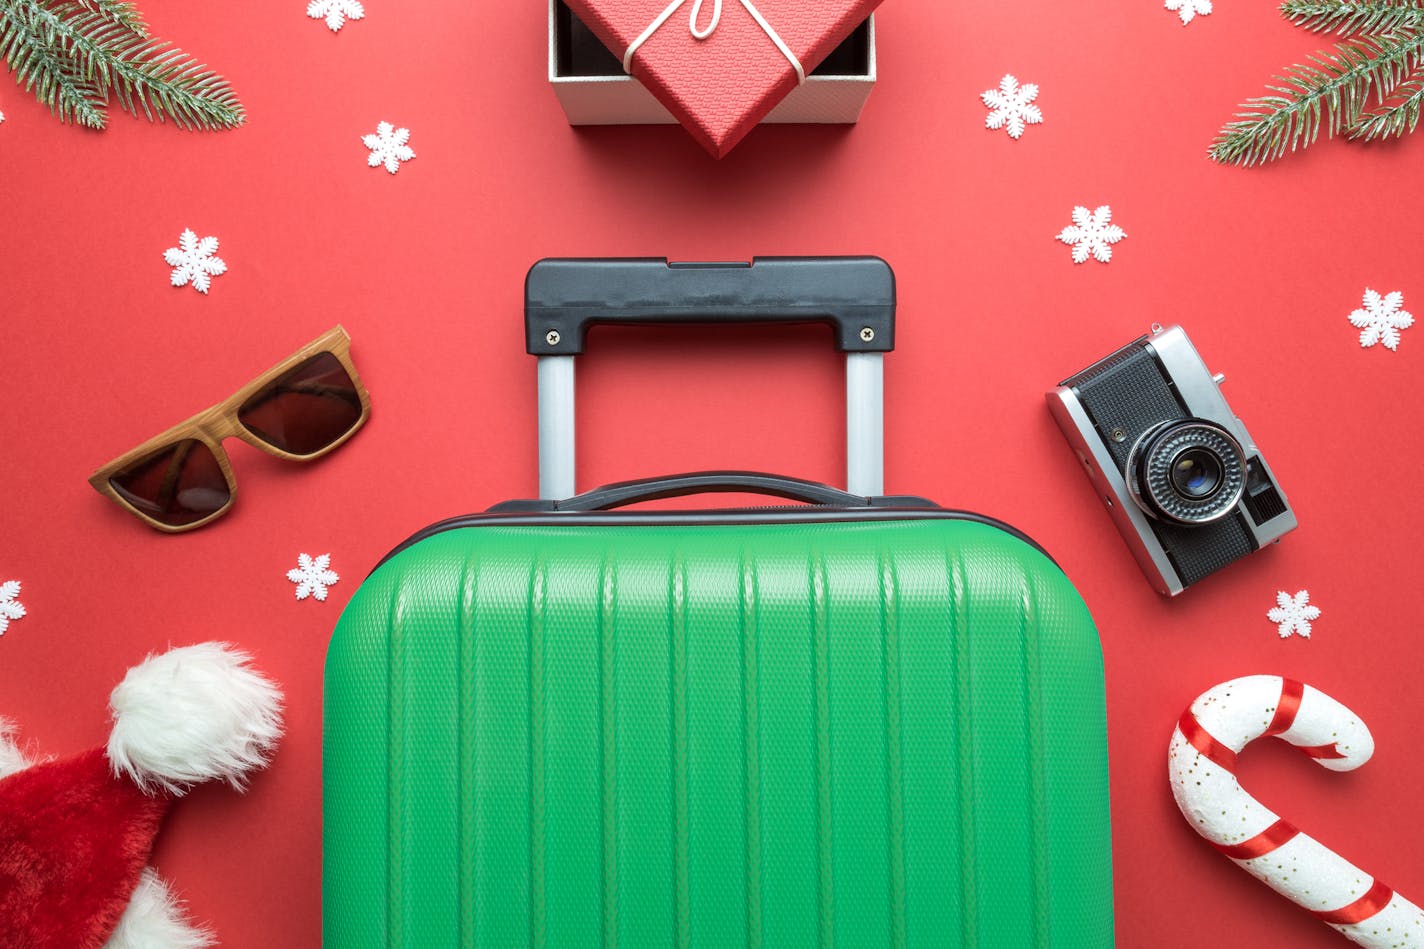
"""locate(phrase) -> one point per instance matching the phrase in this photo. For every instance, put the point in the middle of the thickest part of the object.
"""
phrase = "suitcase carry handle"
(623, 493)
(855, 295)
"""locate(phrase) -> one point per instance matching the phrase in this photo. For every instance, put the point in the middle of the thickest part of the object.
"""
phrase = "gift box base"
(593, 89)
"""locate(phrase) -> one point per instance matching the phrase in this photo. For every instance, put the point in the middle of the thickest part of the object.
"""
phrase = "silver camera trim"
(1112, 490)
(1201, 392)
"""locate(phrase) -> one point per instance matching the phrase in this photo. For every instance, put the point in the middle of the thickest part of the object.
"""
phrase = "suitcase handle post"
(855, 295)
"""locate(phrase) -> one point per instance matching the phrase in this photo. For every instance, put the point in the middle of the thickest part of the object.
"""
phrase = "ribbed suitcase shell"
(854, 734)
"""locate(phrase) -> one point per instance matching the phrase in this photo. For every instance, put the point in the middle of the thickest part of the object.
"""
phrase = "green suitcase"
(862, 722)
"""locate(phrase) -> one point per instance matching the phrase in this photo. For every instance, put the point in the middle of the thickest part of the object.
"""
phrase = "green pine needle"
(1333, 91)
(102, 48)
(120, 11)
(1354, 16)
(1396, 117)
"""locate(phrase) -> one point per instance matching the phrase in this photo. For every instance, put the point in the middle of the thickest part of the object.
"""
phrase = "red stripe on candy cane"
(1291, 694)
(1263, 843)
(1331, 750)
(1200, 739)
(1360, 910)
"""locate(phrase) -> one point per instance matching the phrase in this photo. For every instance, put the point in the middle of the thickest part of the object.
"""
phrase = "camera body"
(1180, 475)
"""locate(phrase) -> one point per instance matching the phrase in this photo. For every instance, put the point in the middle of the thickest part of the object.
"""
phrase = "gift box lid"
(721, 67)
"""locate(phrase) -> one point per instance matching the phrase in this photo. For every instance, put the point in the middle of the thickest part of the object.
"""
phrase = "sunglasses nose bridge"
(214, 431)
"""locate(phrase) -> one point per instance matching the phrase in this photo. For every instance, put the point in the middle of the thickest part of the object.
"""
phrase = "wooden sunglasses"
(305, 406)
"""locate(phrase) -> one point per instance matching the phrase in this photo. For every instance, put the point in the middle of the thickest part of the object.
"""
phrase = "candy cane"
(1201, 761)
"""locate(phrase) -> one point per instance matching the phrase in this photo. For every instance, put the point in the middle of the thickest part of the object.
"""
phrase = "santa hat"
(76, 833)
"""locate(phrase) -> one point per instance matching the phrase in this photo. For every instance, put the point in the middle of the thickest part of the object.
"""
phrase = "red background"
(425, 268)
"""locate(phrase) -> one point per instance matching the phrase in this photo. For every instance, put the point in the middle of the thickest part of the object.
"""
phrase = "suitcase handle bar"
(856, 295)
(564, 297)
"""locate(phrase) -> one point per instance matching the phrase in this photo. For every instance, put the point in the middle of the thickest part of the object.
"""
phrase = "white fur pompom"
(193, 714)
(12, 759)
(154, 919)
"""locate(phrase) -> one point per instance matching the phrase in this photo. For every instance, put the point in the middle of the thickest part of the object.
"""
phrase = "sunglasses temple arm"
(171, 477)
(340, 393)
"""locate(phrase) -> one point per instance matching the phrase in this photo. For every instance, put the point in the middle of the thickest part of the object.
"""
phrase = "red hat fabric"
(73, 841)
(76, 834)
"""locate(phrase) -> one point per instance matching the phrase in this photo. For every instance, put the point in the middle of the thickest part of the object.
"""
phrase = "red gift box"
(720, 66)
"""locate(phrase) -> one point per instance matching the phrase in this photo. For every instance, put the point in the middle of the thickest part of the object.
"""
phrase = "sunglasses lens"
(306, 408)
(176, 485)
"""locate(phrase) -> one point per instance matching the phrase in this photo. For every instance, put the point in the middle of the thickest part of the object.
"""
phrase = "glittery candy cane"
(1202, 761)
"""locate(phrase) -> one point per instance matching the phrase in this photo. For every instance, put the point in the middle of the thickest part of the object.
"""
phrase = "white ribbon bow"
(704, 33)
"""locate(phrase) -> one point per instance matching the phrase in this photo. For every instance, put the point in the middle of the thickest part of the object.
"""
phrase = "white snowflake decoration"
(1092, 234)
(1013, 106)
(1189, 9)
(336, 12)
(388, 147)
(1293, 614)
(10, 608)
(1382, 319)
(194, 261)
(312, 575)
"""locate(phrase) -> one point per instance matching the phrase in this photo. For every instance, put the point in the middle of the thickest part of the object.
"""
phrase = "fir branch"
(105, 48)
(1354, 16)
(1339, 87)
(120, 11)
(145, 73)
(80, 37)
(1396, 117)
(167, 81)
(44, 69)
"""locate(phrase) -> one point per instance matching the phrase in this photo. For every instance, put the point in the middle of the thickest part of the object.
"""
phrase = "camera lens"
(1188, 471)
(1196, 473)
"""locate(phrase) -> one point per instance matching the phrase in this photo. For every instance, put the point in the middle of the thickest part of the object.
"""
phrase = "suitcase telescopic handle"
(855, 295)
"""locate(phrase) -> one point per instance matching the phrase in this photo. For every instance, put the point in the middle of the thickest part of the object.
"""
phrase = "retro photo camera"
(1178, 471)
